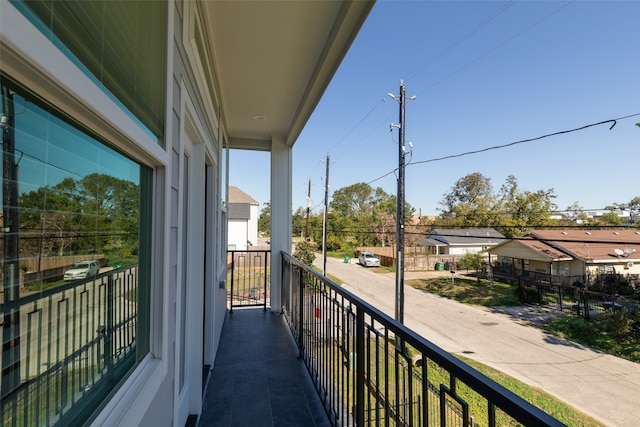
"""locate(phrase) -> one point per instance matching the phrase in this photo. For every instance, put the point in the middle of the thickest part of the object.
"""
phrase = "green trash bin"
(439, 266)
(346, 259)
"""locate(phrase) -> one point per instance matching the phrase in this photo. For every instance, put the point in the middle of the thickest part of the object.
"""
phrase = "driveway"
(602, 386)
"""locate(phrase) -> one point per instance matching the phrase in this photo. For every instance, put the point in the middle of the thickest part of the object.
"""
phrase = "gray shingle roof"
(236, 195)
(466, 236)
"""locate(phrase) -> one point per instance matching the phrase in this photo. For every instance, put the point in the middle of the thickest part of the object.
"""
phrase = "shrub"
(618, 324)
(472, 261)
(613, 284)
(305, 252)
(527, 295)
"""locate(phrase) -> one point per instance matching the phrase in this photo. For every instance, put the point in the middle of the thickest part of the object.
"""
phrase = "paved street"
(602, 386)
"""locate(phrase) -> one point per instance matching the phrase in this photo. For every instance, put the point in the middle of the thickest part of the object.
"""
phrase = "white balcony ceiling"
(273, 61)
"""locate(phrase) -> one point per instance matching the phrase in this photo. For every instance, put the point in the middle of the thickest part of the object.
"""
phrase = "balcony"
(332, 359)
(258, 378)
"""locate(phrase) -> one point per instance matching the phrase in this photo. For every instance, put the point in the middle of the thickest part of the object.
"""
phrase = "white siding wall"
(460, 250)
(238, 234)
(242, 231)
(252, 228)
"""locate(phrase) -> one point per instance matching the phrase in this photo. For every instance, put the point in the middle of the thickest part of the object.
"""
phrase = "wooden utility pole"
(10, 233)
(399, 312)
(306, 226)
(400, 215)
(324, 220)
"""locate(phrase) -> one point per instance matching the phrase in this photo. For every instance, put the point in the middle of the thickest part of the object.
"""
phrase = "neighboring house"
(460, 241)
(243, 220)
(155, 94)
(570, 256)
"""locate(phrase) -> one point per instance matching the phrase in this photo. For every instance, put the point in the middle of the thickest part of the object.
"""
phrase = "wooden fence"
(52, 268)
(413, 260)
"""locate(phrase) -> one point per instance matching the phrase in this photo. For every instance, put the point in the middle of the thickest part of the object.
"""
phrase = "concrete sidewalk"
(602, 386)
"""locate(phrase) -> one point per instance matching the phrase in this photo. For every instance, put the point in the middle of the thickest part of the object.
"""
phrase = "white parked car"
(82, 270)
(368, 259)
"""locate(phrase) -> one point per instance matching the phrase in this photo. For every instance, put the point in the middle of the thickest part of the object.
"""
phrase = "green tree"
(384, 228)
(384, 225)
(264, 220)
(612, 218)
(110, 209)
(523, 210)
(354, 211)
(340, 228)
(299, 222)
(470, 203)
(633, 207)
(472, 261)
(96, 214)
(50, 219)
(315, 226)
(575, 213)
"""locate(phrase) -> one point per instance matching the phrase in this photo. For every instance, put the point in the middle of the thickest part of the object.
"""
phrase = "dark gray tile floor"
(258, 378)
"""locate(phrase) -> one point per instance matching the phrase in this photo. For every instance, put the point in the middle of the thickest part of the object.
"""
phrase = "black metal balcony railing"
(369, 369)
(248, 278)
(71, 344)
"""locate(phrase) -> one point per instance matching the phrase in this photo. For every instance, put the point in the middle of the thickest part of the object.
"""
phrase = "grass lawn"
(334, 279)
(612, 333)
(537, 397)
(469, 291)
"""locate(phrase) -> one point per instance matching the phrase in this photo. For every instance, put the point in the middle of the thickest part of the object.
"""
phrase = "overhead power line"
(478, 58)
(460, 39)
(444, 52)
(496, 147)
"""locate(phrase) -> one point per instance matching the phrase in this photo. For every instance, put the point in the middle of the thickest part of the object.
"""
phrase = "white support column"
(281, 177)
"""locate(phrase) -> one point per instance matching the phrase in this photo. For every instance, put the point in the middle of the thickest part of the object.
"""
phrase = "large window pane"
(71, 295)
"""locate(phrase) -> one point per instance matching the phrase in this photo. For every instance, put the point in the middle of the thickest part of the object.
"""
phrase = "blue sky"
(485, 74)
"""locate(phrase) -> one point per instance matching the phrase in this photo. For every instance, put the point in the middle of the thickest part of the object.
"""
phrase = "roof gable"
(531, 249)
(236, 195)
